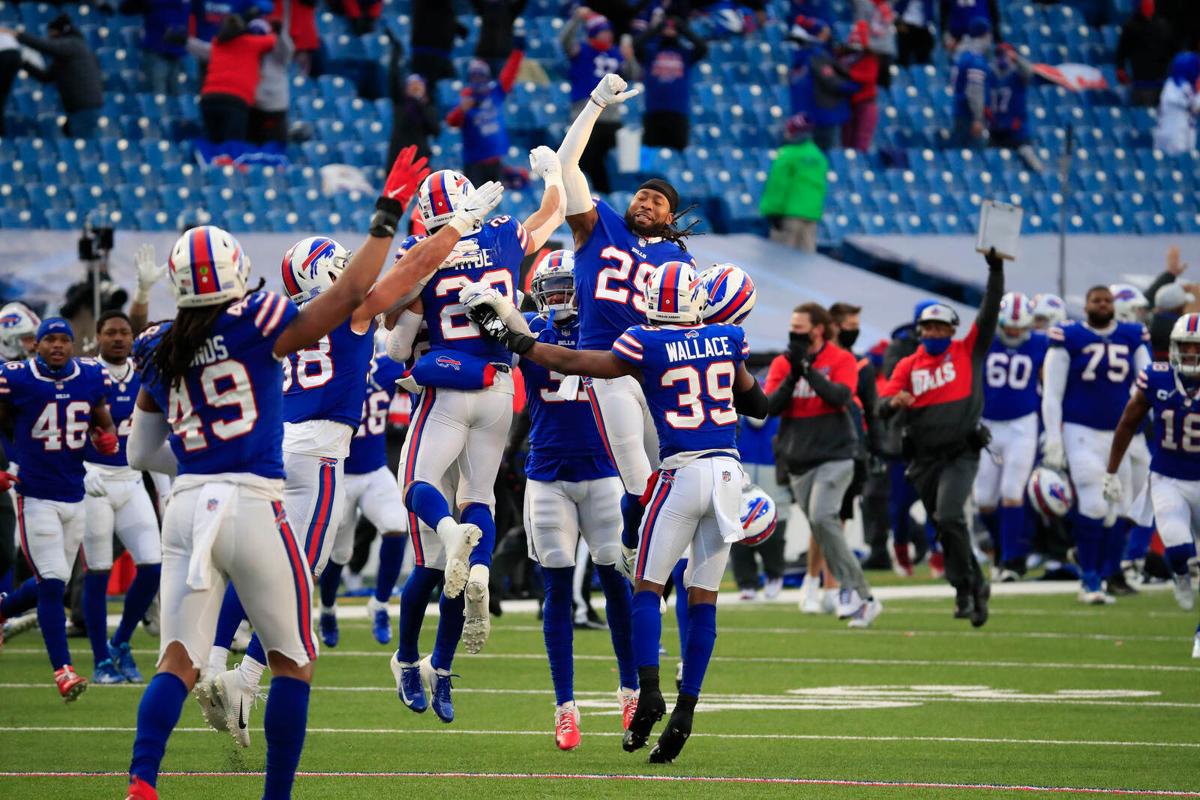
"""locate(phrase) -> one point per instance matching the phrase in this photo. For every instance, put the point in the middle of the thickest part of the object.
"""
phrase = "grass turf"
(1050, 694)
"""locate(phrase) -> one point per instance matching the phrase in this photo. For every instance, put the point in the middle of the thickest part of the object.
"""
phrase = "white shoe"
(458, 540)
(866, 614)
(1097, 598)
(747, 594)
(241, 638)
(17, 625)
(772, 588)
(847, 604)
(1196, 646)
(811, 603)
(1003, 575)
(226, 703)
(1185, 595)
(478, 622)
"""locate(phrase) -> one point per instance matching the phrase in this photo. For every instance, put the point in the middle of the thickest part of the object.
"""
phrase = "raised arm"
(989, 309)
(542, 223)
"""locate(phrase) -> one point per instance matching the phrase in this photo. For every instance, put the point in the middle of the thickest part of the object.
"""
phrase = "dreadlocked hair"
(672, 232)
(192, 326)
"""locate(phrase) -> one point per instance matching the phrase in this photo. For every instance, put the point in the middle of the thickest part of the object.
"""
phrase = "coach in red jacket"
(938, 391)
(812, 388)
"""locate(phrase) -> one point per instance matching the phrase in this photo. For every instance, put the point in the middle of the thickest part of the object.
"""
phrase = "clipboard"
(999, 227)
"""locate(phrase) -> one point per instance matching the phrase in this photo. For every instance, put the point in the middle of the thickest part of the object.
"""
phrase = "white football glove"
(148, 272)
(611, 89)
(1112, 488)
(1053, 455)
(477, 294)
(93, 484)
(476, 206)
(545, 164)
(626, 563)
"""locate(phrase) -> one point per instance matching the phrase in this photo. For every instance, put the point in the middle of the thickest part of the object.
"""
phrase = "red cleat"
(937, 565)
(140, 790)
(70, 685)
(566, 727)
(629, 700)
(903, 564)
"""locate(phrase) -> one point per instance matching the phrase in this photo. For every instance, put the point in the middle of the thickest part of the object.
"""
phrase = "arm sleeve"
(456, 117)
(1054, 384)
(896, 384)
(752, 402)
(147, 448)
(508, 74)
(400, 338)
(578, 198)
(989, 314)
(1141, 357)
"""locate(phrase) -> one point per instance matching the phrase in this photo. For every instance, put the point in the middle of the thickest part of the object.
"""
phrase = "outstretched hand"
(405, 177)
(611, 89)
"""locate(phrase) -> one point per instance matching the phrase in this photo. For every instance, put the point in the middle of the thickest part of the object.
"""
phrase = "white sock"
(218, 659)
(328, 609)
(251, 672)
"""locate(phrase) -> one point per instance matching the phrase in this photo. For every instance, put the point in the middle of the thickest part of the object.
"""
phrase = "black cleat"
(979, 615)
(650, 710)
(964, 604)
(675, 735)
(1118, 586)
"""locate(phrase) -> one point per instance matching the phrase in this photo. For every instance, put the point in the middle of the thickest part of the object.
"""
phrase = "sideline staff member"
(938, 391)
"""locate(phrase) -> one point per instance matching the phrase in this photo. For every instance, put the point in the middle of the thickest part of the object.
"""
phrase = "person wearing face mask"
(938, 394)
(811, 387)
(480, 114)
(1010, 411)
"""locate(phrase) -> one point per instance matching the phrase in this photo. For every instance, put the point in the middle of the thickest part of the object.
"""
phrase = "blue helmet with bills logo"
(730, 293)
(759, 515)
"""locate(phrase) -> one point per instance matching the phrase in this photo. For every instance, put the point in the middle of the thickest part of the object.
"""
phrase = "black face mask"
(799, 342)
(846, 339)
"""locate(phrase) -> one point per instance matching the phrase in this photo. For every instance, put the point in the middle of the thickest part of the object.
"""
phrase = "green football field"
(1051, 699)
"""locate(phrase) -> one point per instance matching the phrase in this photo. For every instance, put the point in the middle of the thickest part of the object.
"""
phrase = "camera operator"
(938, 393)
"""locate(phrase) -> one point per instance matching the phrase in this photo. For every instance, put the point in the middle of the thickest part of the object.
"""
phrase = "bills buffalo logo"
(10, 320)
(692, 335)
(330, 461)
(446, 362)
(1059, 493)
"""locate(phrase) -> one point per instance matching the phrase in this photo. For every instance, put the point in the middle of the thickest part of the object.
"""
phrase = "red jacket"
(233, 66)
(865, 72)
(304, 23)
(833, 362)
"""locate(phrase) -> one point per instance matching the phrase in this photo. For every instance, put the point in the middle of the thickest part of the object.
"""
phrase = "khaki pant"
(797, 232)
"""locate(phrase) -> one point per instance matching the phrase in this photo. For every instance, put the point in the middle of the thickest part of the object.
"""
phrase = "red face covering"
(1147, 8)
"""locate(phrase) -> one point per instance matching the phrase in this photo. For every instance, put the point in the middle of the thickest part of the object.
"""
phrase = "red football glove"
(105, 442)
(7, 479)
(405, 177)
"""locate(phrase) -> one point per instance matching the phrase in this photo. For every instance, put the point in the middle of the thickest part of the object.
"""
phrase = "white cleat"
(848, 602)
(1196, 646)
(459, 540)
(748, 594)
(812, 602)
(18, 625)
(1185, 595)
(1097, 598)
(866, 614)
(226, 702)
(478, 623)
(772, 588)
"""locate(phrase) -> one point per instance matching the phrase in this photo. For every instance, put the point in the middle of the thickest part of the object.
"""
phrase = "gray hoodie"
(274, 89)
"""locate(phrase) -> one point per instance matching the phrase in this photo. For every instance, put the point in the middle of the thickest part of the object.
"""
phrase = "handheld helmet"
(311, 266)
(1050, 492)
(1185, 330)
(555, 275)
(1129, 304)
(207, 268)
(1016, 311)
(759, 516)
(17, 323)
(1048, 309)
(673, 294)
(440, 197)
(730, 293)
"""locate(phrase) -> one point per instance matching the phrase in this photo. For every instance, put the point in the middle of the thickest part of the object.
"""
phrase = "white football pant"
(50, 532)
(626, 428)
(128, 511)
(1176, 508)
(1005, 467)
(1087, 459)
(378, 497)
(557, 513)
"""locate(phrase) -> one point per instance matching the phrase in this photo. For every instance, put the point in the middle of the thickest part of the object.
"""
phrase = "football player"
(18, 329)
(50, 406)
(216, 370)
(572, 491)
(1171, 393)
(18, 332)
(1089, 370)
(1010, 411)
(614, 256)
(117, 502)
(1048, 310)
(372, 490)
(696, 384)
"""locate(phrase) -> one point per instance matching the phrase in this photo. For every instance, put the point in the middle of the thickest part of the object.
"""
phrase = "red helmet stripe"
(438, 199)
(204, 275)
(321, 247)
(667, 292)
(1193, 321)
(289, 280)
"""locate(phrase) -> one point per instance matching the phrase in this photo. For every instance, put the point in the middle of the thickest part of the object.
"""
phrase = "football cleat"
(748, 594)
(329, 628)
(650, 710)
(70, 685)
(848, 603)
(140, 790)
(106, 674)
(566, 726)
(979, 614)
(810, 603)
(437, 682)
(937, 565)
(1185, 595)
(772, 588)
(1196, 646)
(964, 604)
(381, 623)
(409, 686)
(902, 564)
(459, 540)
(678, 678)
(478, 624)
(1118, 586)
(675, 735)
(1093, 598)
(1004, 575)
(226, 702)
(629, 700)
(865, 614)
(122, 658)
(15, 626)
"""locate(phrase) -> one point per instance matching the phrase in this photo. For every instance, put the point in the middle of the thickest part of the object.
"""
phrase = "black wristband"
(519, 343)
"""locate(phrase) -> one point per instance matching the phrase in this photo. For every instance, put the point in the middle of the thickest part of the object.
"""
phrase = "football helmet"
(730, 294)
(1186, 329)
(1049, 308)
(17, 323)
(311, 266)
(758, 516)
(1129, 304)
(208, 267)
(555, 274)
(1050, 492)
(674, 295)
(1016, 311)
(441, 195)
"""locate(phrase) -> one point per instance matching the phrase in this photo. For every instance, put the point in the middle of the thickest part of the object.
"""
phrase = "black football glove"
(800, 362)
(993, 259)
(491, 326)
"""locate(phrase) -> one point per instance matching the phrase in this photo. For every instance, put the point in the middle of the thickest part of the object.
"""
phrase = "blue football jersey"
(564, 442)
(1010, 378)
(687, 376)
(1176, 414)
(611, 271)
(226, 415)
(122, 394)
(51, 416)
(325, 380)
(1006, 104)
(1101, 373)
(756, 443)
(493, 255)
(368, 448)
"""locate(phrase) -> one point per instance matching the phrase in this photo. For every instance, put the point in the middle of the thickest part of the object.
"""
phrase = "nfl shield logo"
(725, 476)
(212, 504)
